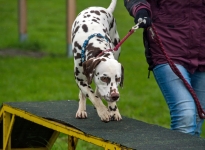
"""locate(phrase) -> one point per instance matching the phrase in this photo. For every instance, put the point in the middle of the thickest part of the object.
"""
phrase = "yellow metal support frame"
(8, 113)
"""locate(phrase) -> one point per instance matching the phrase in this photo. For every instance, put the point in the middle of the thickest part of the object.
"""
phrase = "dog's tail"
(111, 8)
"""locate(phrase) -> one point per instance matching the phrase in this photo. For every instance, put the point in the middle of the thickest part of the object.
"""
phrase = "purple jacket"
(181, 28)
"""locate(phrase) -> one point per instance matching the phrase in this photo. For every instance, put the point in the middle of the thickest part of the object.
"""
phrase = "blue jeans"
(183, 111)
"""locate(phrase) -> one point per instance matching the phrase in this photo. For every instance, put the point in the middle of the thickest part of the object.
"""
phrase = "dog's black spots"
(108, 38)
(96, 96)
(76, 44)
(73, 36)
(80, 64)
(108, 80)
(94, 20)
(112, 23)
(85, 28)
(77, 56)
(74, 50)
(102, 11)
(88, 15)
(115, 76)
(97, 75)
(75, 24)
(91, 91)
(90, 47)
(106, 55)
(95, 12)
(115, 42)
(111, 90)
(109, 14)
(87, 95)
(105, 31)
(77, 71)
(80, 80)
(74, 32)
(76, 29)
(100, 40)
(83, 84)
(92, 51)
(89, 86)
(103, 59)
(113, 109)
(97, 18)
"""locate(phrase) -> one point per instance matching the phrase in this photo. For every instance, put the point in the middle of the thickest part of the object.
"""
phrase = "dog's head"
(107, 74)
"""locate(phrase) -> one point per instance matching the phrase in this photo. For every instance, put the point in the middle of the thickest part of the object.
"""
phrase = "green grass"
(51, 77)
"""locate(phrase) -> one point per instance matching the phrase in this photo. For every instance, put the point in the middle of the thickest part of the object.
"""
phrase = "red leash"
(123, 40)
(134, 28)
(178, 73)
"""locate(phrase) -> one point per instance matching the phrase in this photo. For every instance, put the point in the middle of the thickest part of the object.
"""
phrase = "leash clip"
(140, 20)
(135, 27)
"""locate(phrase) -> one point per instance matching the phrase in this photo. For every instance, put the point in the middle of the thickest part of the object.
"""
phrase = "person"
(181, 29)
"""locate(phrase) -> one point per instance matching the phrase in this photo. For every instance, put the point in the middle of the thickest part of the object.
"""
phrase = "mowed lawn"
(26, 78)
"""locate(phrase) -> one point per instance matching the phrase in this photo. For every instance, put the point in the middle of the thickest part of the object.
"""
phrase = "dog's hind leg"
(115, 39)
(81, 113)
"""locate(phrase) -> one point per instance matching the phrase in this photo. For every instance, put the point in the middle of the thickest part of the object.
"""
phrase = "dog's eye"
(118, 79)
(105, 79)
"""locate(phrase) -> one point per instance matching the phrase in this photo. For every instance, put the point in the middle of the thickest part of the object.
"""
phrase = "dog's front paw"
(104, 114)
(81, 114)
(115, 114)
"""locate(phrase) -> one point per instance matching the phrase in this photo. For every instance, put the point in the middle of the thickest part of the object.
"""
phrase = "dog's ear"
(89, 68)
(122, 76)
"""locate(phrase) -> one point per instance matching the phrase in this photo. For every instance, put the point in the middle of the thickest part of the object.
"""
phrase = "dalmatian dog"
(94, 35)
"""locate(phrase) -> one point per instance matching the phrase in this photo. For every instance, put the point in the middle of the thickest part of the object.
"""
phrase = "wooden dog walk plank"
(128, 133)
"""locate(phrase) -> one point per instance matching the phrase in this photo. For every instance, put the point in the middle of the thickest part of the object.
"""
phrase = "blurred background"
(39, 69)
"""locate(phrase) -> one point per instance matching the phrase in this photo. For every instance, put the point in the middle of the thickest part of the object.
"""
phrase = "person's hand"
(144, 16)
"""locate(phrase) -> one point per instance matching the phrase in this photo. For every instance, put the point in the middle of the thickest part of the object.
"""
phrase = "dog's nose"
(114, 96)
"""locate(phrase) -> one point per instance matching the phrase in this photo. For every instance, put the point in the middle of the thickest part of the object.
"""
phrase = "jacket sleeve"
(133, 6)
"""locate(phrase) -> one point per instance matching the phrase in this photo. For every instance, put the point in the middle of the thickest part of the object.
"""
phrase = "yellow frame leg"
(7, 128)
(52, 139)
(72, 142)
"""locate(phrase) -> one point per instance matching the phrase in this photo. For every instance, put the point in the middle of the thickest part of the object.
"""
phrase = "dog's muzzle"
(115, 96)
